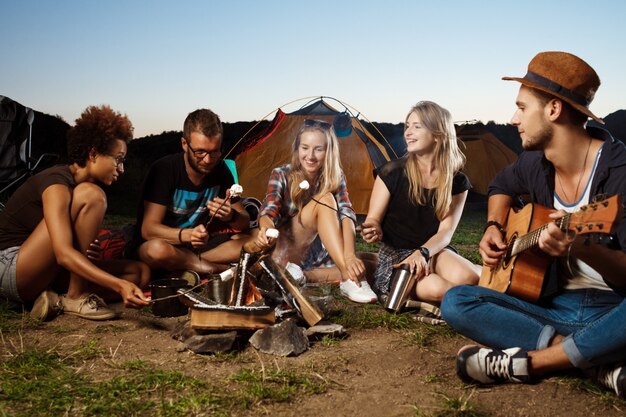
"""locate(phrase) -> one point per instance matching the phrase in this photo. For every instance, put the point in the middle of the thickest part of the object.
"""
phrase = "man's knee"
(455, 302)
(156, 253)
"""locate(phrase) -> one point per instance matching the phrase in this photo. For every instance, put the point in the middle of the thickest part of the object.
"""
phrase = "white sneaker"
(362, 294)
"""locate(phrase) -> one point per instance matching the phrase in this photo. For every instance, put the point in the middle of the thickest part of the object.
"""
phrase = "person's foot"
(47, 306)
(353, 292)
(89, 306)
(612, 377)
(492, 366)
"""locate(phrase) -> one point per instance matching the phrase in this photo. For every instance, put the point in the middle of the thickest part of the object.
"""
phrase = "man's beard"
(194, 165)
(540, 139)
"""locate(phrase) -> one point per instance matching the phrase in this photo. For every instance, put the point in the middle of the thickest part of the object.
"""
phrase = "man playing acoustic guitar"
(566, 168)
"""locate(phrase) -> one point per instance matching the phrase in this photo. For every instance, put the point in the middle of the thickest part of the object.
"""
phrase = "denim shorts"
(8, 281)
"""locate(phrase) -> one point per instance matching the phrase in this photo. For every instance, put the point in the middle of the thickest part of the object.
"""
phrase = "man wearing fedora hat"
(565, 166)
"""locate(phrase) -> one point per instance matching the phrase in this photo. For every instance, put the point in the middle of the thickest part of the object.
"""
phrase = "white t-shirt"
(581, 275)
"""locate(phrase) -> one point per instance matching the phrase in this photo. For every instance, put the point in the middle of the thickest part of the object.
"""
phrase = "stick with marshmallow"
(236, 190)
(304, 185)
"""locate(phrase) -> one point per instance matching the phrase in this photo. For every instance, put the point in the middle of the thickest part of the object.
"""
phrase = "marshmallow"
(304, 185)
(271, 233)
(236, 190)
(226, 275)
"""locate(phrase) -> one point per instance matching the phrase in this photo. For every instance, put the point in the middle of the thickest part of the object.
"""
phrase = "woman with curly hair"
(50, 221)
(306, 199)
(416, 205)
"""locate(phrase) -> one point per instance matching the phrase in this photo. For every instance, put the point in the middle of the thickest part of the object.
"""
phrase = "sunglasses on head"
(317, 123)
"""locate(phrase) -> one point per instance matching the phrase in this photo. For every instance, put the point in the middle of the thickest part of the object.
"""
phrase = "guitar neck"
(531, 240)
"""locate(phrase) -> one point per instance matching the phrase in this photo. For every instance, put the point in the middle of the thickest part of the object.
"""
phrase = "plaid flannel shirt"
(279, 207)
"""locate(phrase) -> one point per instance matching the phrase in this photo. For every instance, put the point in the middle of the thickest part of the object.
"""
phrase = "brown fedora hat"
(564, 76)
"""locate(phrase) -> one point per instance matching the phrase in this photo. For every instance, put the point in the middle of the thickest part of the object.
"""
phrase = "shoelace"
(497, 365)
(606, 377)
(93, 301)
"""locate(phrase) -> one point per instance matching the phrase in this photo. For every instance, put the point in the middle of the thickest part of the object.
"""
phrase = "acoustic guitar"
(522, 269)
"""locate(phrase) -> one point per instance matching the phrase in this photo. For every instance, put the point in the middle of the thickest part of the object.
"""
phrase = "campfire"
(247, 298)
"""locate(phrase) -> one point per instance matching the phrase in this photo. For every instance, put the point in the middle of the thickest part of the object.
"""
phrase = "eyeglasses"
(201, 153)
(119, 160)
(317, 123)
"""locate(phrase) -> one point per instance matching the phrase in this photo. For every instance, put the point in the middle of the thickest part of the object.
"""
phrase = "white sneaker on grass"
(353, 292)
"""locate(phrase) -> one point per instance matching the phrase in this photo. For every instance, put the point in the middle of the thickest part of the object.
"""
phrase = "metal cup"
(218, 290)
(402, 282)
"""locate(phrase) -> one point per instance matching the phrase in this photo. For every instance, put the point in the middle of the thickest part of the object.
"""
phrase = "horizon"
(156, 61)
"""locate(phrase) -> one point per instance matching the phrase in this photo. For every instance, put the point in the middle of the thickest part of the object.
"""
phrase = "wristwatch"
(425, 253)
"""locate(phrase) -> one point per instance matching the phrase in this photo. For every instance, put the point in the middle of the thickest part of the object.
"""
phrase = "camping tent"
(485, 155)
(361, 152)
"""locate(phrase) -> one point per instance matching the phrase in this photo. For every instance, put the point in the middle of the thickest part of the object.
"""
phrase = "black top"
(406, 225)
(24, 210)
(168, 184)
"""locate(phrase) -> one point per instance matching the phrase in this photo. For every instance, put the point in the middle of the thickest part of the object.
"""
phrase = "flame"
(253, 294)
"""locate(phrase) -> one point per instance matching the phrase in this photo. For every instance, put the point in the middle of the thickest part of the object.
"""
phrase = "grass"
(36, 383)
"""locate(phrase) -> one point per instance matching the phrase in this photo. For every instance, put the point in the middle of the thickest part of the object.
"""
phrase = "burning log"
(291, 293)
(206, 314)
(250, 254)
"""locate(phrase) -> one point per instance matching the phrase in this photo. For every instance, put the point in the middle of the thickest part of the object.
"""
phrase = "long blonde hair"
(448, 157)
(329, 179)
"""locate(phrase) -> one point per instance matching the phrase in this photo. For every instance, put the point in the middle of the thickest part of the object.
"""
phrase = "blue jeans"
(592, 321)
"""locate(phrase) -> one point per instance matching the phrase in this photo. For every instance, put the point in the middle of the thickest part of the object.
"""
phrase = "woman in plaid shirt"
(308, 202)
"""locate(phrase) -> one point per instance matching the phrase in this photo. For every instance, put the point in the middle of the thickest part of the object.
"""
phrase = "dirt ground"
(372, 372)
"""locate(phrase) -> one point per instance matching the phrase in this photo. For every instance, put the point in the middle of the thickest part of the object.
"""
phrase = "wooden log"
(204, 314)
(309, 311)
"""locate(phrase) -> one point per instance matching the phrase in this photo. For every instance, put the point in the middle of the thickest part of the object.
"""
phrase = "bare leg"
(333, 274)
(159, 254)
(89, 205)
(37, 266)
(549, 360)
(136, 272)
(449, 270)
(314, 219)
(226, 252)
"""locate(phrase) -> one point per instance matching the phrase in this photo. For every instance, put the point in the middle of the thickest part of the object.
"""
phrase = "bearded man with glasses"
(186, 219)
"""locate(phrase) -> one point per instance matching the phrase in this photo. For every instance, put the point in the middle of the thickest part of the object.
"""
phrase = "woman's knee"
(88, 195)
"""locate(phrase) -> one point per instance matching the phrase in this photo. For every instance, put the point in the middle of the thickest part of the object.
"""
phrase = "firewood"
(309, 311)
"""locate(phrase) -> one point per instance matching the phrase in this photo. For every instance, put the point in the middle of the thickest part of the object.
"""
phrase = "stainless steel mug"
(402, 282)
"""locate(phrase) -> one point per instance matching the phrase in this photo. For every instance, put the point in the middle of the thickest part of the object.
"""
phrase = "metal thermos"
(402, 282)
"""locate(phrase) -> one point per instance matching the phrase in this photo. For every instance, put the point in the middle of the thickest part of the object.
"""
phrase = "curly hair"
(96, 130)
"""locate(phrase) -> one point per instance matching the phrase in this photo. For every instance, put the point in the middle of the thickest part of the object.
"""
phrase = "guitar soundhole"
(508, 256)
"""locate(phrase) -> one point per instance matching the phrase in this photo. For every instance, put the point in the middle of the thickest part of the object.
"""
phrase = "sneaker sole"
(43, 309)
(461, 363)
(40, 307)
(101, 317)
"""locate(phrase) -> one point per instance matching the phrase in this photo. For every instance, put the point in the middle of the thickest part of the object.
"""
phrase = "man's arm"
(153, 227)
(492, 245)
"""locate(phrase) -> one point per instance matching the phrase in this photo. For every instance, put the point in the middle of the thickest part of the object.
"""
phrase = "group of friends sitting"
(189, 218)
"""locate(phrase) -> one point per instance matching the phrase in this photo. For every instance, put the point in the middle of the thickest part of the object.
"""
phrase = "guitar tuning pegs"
(579, 227)
(600, 226)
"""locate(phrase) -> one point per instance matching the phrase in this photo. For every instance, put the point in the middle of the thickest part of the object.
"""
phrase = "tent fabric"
(360, 153)
(15, 127)
(485, 155)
